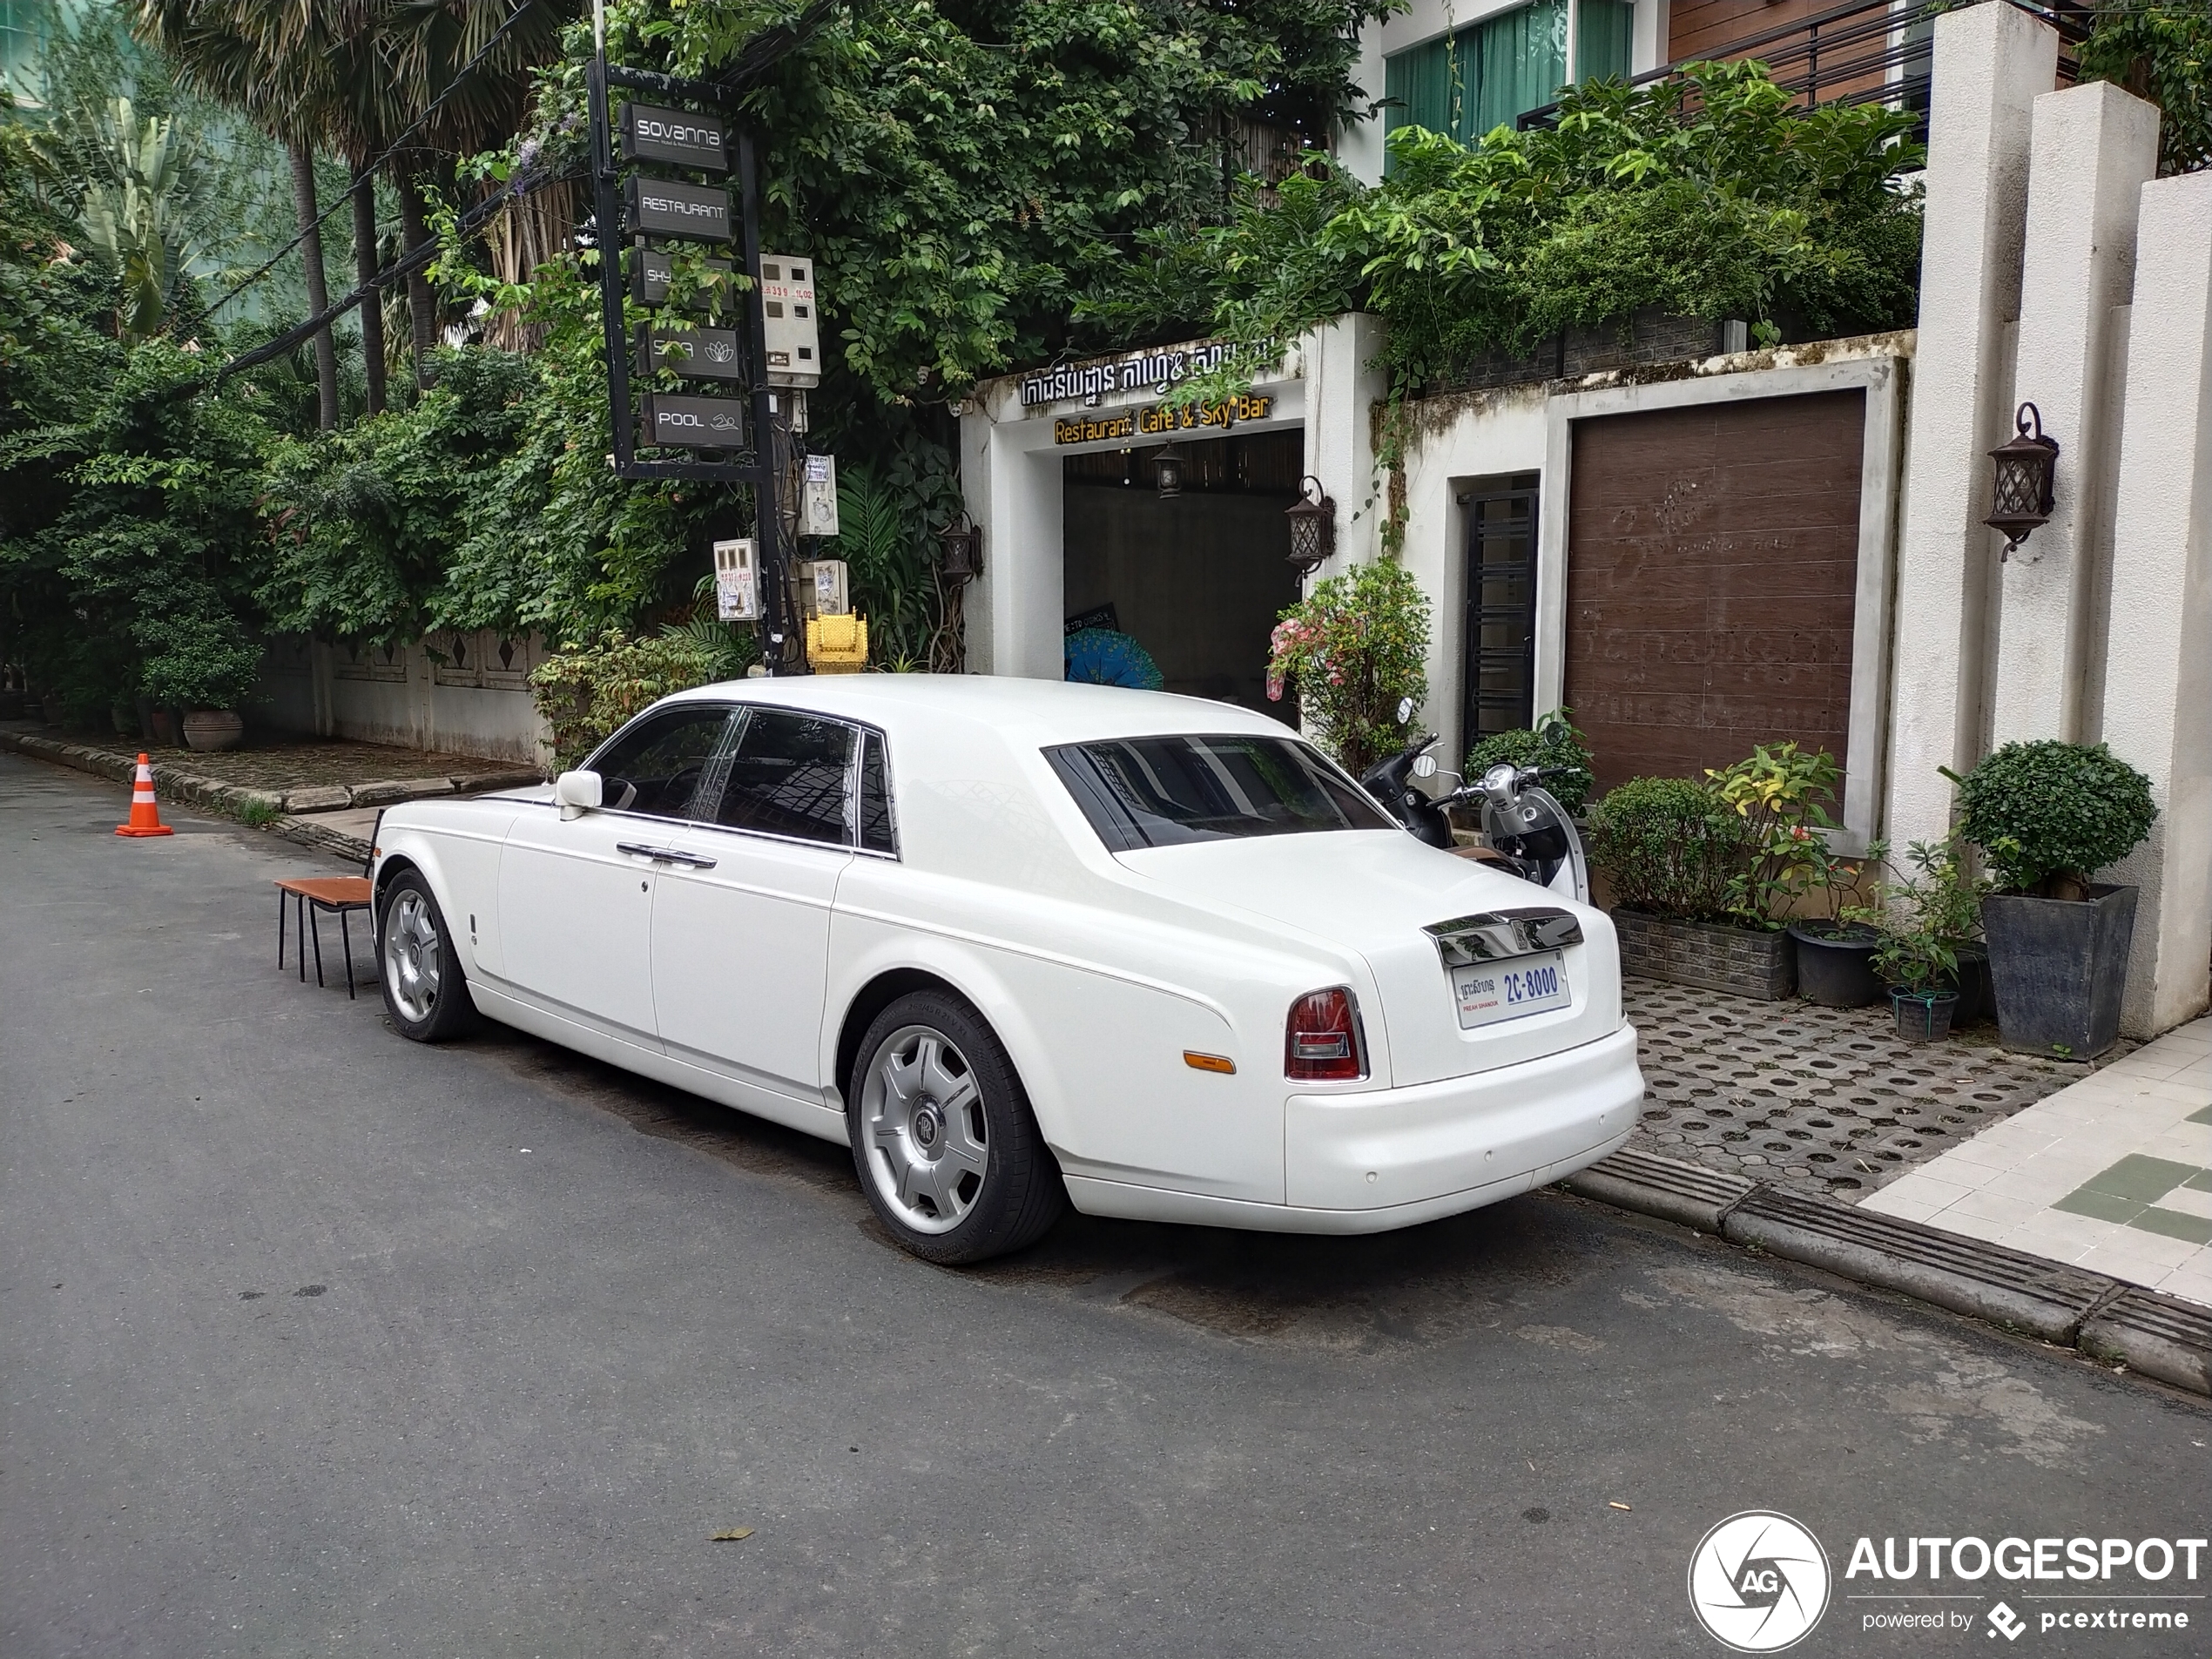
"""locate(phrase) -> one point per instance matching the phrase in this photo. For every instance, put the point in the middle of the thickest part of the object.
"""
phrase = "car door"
(741, 925)
(576, 895)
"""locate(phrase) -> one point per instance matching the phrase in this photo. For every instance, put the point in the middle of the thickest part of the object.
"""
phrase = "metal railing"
(1862, 51)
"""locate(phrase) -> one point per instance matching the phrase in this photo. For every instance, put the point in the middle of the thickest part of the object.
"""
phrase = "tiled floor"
(2113, 1173)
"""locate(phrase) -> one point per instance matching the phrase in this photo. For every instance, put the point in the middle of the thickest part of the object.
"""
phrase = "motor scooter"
(1530, 834)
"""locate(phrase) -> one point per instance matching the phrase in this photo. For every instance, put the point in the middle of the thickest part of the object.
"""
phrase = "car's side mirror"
(576, 792)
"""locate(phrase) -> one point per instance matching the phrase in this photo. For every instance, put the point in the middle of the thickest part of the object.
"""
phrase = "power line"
(369, 172)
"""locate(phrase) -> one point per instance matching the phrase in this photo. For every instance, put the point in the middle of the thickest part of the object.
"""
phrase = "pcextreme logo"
(1758, 1581)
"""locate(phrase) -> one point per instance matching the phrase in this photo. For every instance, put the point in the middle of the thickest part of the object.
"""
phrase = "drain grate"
(1823, 1100)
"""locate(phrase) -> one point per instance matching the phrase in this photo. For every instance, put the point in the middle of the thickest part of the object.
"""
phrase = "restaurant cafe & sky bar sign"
(1162, 420)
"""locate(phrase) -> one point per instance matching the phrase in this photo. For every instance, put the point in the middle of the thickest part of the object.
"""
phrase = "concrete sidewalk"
(2113, 1173)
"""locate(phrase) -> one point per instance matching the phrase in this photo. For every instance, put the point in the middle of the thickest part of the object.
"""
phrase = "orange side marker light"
(1219, 1063)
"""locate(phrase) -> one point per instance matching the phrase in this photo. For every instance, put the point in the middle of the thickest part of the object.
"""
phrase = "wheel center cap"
(927, 1123)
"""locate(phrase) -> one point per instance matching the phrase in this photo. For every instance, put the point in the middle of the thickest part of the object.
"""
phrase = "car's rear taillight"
(1321, 1043)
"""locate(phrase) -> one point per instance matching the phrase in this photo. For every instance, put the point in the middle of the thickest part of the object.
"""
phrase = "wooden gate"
(1712, 569)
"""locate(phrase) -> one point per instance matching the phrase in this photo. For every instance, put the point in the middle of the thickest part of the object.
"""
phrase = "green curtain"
(1419, 83)
(1518, 63)
(1491, 73)
(1603, 31)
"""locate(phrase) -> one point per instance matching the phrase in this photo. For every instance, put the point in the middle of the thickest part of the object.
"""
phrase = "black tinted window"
(877, 832)
(789, 777)
(655, 767)
(1159, 792)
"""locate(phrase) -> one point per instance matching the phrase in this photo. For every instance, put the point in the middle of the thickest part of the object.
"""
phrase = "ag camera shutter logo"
(1758, 1582)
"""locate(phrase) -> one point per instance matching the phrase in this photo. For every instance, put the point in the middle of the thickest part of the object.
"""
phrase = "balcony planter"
(2059, 968)
(209, 730)
(1922, 1016)
(1744, 962)
(1835, 964)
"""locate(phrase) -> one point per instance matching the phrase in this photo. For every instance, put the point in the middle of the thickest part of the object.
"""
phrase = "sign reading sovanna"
(683, 136)
(1159, 421)
(692, 213)
(694, 422)
(1103, 379)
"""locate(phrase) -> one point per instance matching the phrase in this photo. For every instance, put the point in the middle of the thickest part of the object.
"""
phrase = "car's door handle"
(664, 855)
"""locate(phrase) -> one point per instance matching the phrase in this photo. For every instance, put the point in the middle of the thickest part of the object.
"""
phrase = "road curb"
(2106, 1318)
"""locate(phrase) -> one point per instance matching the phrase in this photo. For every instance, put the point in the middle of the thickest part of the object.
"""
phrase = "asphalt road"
(319, 1341)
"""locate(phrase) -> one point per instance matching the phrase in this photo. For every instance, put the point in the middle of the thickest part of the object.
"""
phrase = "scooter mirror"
(1406, 713)
(1424, 767)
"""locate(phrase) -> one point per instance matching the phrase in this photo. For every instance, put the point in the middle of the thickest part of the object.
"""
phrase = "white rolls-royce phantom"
(1021, 944)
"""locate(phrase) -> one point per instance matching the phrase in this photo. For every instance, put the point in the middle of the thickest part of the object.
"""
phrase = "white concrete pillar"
(2158, 677)
(1359, 142)
(1340, 362)
(1012, 612)
(1992, 62)
(2094, 149)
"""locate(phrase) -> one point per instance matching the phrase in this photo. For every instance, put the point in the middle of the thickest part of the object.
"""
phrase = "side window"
(658, 764)
(878, 831)
(790, 775)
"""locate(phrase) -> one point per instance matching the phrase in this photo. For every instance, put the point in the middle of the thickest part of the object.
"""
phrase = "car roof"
(1024, 712)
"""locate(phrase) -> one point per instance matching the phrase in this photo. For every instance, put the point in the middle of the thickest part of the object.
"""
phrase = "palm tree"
(353, 75)
(219, 55)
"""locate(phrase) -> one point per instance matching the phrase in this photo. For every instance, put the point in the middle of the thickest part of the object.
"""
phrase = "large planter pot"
(1836, 969)
(208, 730)
(1744, 962)
(2059, 966)
(11, 704)
(1971, 982)
(162, 725)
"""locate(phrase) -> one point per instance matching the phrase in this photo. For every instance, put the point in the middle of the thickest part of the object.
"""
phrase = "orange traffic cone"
(145, 813)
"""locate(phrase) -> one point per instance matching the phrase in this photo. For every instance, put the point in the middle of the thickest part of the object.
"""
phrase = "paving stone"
(1814, 1100)
(389, 791)
(319, 798)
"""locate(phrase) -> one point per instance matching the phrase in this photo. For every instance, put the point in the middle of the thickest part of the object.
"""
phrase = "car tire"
(425, 991)
(945, 1146)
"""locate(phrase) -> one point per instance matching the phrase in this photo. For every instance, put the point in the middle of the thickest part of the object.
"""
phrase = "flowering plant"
(1352, 649)
(1780, 796)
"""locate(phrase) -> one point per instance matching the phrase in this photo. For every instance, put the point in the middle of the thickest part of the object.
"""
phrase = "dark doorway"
(1198, 579)
(1499, 672)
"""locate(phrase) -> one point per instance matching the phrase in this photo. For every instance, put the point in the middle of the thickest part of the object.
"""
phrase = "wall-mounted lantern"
(1167, 470)
(2025, 466)
(1313, 527)
(963, 543)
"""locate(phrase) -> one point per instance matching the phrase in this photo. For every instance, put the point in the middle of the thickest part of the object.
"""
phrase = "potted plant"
(1553, 744)
(1835, 951)
(2047, 815)
(1669, 851)
(1352, 650)
(1917, 962)
(207, 671)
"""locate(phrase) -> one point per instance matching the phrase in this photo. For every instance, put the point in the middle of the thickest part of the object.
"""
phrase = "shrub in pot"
(1553, 743)
(1941, 899)
(1669, 850)
(1835, 951)
(2047, 816)
(1917, 963)
(201, 666)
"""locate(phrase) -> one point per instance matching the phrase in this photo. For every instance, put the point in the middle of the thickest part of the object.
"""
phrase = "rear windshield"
(1162, 791)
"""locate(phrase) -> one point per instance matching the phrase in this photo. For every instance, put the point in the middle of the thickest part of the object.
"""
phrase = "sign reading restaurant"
(1102, 379)
(1161, 420)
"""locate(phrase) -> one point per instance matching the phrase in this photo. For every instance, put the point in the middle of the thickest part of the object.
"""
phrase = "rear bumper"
(1529, 1123)
(1394, 1157)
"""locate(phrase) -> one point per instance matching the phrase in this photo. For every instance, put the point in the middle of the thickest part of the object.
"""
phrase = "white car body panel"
(1096, 970)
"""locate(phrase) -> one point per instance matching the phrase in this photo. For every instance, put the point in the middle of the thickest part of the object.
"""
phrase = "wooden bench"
(312, 896)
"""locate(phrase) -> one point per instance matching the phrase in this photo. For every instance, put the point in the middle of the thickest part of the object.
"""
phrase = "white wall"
(1992, 62)
(2158, 681)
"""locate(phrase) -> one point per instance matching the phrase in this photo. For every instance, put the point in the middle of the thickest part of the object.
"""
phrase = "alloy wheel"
(413, 956)
(922, 1113)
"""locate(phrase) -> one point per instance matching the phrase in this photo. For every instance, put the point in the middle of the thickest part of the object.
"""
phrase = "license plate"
(1490, 992)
